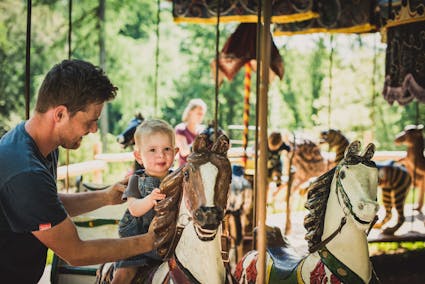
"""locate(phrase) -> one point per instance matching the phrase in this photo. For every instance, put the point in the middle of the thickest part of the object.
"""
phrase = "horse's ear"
(352, 149)
(221, 145)
(200, 144)
(369, 151)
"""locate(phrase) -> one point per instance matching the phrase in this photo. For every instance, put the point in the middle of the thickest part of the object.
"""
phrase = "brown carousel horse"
(307, 162)
(187, 223)
(336, 141)
(413, 138)
(342, 208)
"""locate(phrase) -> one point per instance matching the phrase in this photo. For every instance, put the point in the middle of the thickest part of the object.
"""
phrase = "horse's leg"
(399, 197)
(421, 186)
(235, 237)
(104, 274)
(387, 200)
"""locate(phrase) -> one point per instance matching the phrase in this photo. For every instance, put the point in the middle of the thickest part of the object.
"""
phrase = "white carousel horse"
(187, 223)
(343, 207)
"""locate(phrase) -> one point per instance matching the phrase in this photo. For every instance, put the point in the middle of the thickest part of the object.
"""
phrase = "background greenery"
(310, 98)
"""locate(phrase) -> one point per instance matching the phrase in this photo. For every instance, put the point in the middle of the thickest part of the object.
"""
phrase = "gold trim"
(300, 279)
(268, 268)
(405, 16)
(248, 18)
(351, 30)
(404, 22)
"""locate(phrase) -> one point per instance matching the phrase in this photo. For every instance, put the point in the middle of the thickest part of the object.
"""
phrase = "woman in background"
(186, 131)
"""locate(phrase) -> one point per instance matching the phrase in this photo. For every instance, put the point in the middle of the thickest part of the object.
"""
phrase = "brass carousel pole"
(262, 139)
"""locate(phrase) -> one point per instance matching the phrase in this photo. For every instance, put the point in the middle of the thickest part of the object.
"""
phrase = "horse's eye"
(186, 175)
(342, 174)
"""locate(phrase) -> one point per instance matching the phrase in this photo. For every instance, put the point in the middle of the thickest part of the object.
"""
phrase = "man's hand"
(115, 191)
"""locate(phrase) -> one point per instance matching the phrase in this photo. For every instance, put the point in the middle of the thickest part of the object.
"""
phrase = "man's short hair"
(74, 84)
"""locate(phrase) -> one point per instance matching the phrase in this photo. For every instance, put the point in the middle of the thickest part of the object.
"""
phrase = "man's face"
(79, 125)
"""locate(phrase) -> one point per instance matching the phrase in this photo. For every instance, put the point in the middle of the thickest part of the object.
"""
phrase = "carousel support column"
(262, 143)
(247, 91)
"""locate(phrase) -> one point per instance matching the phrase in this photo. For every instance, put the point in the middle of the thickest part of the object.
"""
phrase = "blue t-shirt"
(28, 202)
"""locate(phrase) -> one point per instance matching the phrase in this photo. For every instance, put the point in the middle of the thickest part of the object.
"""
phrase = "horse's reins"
(345, 201)
(177, 235)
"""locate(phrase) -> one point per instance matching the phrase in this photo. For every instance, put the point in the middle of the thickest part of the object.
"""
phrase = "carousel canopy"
(283, 11)
(240, 48)
(335, 16)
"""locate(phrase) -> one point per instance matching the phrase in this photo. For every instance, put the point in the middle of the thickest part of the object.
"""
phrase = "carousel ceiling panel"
(243, 11)
(336, 16)
(405, 55)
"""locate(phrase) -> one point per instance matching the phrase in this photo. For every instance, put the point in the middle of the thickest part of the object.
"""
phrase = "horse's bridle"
(340, 191)
(345, 202)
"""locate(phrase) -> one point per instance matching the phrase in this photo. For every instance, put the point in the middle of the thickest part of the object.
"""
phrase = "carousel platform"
(412, 230)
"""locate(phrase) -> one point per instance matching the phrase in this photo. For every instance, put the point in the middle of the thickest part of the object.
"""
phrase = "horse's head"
(411, 135)
(356, 184)
(327, 136)
(125, 138)
(207, 177)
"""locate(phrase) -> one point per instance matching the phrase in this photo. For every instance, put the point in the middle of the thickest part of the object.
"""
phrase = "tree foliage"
(310, 98)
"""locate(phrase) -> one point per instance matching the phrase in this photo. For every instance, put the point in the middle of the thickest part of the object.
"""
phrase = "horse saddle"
(285, 262)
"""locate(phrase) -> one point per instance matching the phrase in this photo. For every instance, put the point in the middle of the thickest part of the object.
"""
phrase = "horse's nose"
(208, 217)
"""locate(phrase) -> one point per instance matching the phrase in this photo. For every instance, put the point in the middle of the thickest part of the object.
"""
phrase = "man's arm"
(79, 203)
(63, 239)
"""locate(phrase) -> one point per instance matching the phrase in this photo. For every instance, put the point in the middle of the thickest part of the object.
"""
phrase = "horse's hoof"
(377, 226)
(388, 231)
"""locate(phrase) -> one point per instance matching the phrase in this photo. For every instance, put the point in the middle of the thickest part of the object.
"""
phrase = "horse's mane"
(318, 194)
(165, 219)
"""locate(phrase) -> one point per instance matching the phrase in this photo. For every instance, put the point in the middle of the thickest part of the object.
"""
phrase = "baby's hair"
(193, 103)
(275, 139)
(152, 126)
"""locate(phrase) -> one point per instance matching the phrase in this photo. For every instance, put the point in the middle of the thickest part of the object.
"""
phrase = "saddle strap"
(179, 274)
(323, 243)
(176, 238)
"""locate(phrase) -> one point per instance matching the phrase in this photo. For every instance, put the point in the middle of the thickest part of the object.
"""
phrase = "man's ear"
(137, 156)
(59, 113)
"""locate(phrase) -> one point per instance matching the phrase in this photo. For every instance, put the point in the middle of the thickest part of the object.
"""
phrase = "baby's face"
(157, 154)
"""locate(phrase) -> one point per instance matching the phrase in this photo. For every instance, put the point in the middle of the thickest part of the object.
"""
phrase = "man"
(33, 216)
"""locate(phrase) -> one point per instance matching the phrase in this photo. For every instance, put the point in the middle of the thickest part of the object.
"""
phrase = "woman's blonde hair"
(193, 103)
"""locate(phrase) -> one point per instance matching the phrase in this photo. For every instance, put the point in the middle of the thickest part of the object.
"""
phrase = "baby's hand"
(156, 195)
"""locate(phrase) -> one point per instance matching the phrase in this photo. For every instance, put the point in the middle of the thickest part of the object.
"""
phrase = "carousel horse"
(413, 138)
(239, 213)
(342, 208)
(307, 162)
(394, 180)
(336, 141)
(187, 223)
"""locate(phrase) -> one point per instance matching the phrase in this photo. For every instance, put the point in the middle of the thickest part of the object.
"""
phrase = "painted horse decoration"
(342, 208)
(188, 222)
(393, 179)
